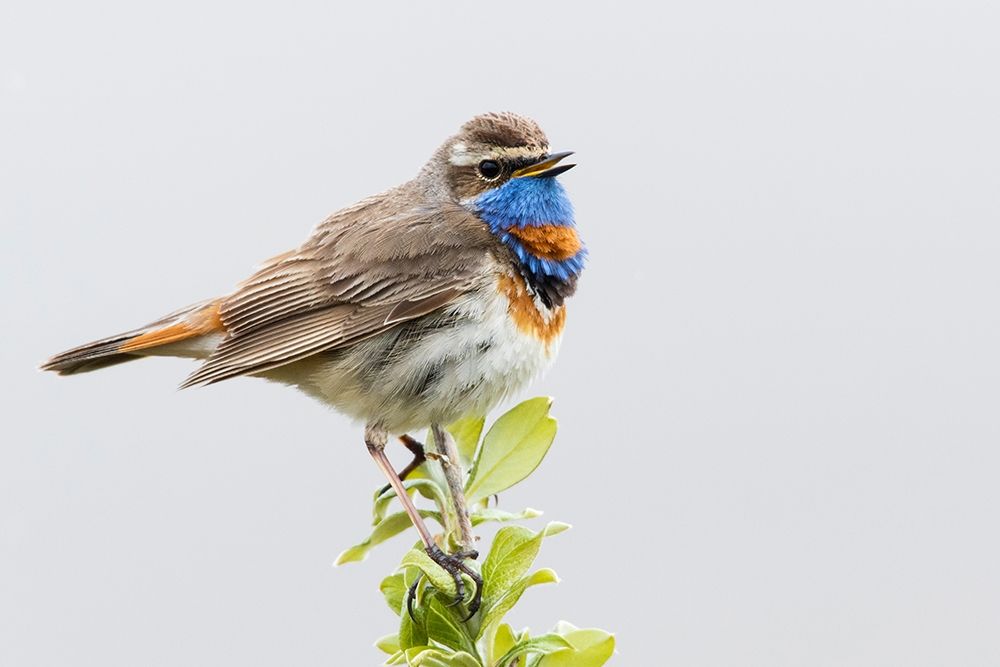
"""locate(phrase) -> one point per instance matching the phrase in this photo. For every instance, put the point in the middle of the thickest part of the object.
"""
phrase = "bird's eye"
(489, 169)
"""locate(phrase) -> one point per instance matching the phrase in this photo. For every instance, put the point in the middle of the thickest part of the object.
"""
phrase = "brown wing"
(362, 271)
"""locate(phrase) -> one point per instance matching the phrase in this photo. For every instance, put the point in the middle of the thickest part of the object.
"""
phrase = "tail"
(190, 332)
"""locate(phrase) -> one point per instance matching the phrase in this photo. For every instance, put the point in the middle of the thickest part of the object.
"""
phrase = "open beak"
(547, 167)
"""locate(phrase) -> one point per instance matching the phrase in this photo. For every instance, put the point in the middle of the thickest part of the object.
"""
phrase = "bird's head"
(499, 166)
(495, 149)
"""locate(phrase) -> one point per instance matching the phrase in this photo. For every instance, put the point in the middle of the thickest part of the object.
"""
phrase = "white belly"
(463, 360)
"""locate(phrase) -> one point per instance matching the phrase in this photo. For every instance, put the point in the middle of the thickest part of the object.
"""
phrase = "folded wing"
(361, 272)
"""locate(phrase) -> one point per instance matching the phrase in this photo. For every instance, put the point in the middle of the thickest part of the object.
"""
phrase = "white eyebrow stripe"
(461, 156)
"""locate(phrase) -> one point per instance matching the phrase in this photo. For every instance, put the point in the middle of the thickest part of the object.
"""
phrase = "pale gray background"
(778, 392)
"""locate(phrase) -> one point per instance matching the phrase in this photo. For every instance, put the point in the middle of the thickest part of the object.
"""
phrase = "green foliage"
(467, 433)
(589, 647)
(387, 527)
(512, 449)
(438, 633)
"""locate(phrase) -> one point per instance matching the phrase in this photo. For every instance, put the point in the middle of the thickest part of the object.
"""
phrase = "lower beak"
(547, 167)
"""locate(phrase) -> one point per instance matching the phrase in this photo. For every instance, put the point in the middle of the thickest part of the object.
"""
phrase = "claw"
(456, 576)
(477, 595)
(453, 565)
(411, 595)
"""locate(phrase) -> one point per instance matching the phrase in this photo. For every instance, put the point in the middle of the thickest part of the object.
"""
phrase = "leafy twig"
(436, 633)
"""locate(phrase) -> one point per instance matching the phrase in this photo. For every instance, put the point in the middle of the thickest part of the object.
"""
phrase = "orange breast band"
(526, 315)
(554, 242)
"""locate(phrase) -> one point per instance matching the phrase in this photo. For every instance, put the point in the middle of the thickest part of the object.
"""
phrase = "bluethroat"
(410, 309)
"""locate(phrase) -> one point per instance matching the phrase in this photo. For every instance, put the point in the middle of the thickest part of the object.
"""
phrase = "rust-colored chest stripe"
(525, 313)
(554, 242)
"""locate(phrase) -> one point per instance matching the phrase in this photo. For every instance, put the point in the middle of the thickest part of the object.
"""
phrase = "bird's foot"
(453, 564)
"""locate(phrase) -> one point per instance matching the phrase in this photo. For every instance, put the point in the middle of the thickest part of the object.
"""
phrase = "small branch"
(452, 467)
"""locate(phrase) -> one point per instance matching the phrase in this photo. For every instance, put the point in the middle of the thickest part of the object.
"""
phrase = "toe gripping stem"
(454, 565)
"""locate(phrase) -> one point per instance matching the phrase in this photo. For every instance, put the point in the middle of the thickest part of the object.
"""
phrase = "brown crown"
(505, 129)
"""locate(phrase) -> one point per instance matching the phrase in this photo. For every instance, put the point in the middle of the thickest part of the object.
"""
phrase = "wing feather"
(284, 343)
(362, 271)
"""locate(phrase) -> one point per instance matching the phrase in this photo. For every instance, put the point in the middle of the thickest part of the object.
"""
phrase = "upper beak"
(546, 167)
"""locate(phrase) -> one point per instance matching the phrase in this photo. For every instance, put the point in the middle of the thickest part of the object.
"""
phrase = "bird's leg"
(376, 438)
(419, 457)
(417, 449)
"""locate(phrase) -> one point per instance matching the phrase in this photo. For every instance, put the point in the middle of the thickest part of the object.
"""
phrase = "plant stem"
(452, 467)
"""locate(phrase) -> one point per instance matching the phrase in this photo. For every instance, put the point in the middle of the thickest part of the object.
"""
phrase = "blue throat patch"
(531, 202)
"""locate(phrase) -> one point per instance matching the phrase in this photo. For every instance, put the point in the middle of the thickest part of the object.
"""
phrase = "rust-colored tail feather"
(197, 320)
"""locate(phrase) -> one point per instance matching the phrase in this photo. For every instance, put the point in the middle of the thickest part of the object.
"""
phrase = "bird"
(432, 301)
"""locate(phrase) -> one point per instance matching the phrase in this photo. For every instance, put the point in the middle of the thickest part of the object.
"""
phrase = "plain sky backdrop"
(779, 387)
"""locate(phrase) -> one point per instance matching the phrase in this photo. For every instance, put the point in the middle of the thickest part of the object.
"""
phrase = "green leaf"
(427, 488)
(564, 628)
(435, 573)
(493, 514)
(394, 590)
(466, 433)
(514, 550)
(590, 648)
(514, 446)
(545, 644)
(390, 526)
(412, 632)
(444, 626)
(383, 494)
(388, 644)
(463, 659)
(434, 657)
(500, 606)
(503, 640)
(413, 652)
